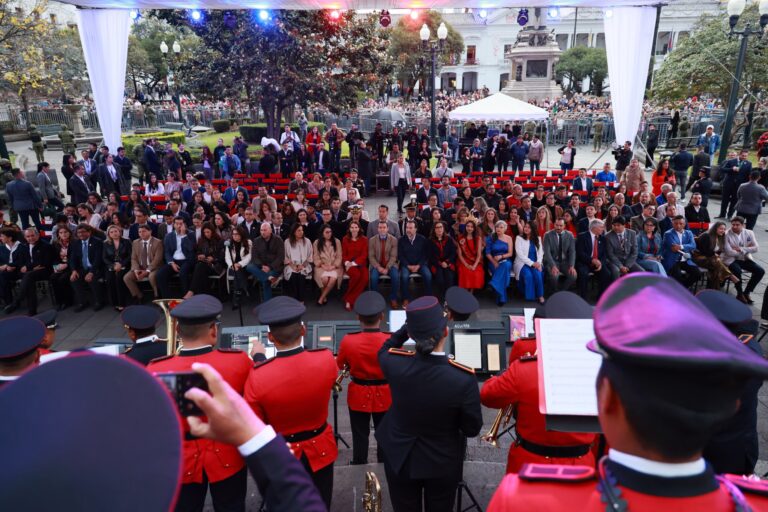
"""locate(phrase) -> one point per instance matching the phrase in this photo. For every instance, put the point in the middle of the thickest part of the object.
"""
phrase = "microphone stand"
(336, 435)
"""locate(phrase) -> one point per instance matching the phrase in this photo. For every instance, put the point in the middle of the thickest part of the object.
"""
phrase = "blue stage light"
(553, 12)
(196, 15)
(263, 15)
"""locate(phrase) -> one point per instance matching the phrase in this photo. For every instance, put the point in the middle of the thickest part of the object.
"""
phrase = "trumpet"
(372, 495)
(502, 420)
(172, 340)
(342, 375)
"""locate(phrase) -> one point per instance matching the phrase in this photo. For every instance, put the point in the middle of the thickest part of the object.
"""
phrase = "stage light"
(522, 17)
(483, 14)
(135, 14)
(263, 15)
(196, 15)
(553, 12)
(414, 14)
(335, 14)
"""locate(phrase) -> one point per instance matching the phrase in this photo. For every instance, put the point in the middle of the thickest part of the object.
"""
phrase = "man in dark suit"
(87, 264)
(90, 167)
(37, 264)
(582, 182)
(435, 407)
(733, 172)
(649, 212)
(322, 159)
(577, 212)
(250, 224)
(152, 161)
(124, 163)
(676, 248)
(24, 199)
(559, 258)
(110, 178)
(591, 258)
(80, 186)
(47, 191)
(142, 217)
(696, 212)
(751, 196)
(426, 190)
(621, 249)
(582, 225)
(178, 260)
(680, 162)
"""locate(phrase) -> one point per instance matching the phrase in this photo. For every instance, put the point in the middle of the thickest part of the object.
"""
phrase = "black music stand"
(464, 488)
(338, 437)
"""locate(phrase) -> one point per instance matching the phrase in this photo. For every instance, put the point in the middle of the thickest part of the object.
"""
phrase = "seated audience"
(237, 256)
(559, 248)
(649, 248)
(710, 248)
(382, 258)
(355, 257)
(117, 263)
(87, 264)
(528, 267)
(470, 251)
(267, 260)
(591, 258)
(499, 248)
(413, 252)
(442, 259)
(621, 249)
(146, 263)
(298, 262)
(328, 269)
(740, 245)
(676, 253)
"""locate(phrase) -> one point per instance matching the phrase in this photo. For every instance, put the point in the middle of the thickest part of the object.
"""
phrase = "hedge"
(254, 132)
(221, 125)
(131, 141)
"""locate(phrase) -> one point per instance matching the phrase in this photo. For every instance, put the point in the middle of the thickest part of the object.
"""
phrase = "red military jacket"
(359, 351)
(291, 392)
(218, 460)
(519, 385)
(545, 488)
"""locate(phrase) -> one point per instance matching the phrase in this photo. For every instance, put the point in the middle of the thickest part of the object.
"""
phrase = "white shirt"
(146, 339)
(12, 248)
(179, 254)
(112, 172)
(257, 442)
(652, 467)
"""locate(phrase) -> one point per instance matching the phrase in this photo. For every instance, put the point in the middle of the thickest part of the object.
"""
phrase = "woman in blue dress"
(529, 257)
(498, 251)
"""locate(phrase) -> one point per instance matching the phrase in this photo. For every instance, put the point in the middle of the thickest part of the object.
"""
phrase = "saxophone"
(372, 495)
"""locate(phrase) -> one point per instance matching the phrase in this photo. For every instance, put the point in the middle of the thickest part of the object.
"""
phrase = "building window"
(508, 48)
(53, 18)
(582, 40)
(600, 41)
(471, 54)
(503, 79)
(663, 43)
(562, 41)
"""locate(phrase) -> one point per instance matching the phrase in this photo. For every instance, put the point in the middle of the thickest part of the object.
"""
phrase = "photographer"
(435, 406)
(623, 155)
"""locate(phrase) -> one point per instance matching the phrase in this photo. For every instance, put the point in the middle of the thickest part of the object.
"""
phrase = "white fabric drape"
(628, 40)
(104, 36)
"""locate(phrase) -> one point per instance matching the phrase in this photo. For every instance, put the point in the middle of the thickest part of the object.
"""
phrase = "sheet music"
(397, 318)
(467, 349)
(494, 357)
(528, 314)
(567, 368)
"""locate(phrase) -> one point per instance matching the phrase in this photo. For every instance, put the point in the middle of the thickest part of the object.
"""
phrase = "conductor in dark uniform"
(140, 322)
(664, 388)
(291, 391)
(20, 337)
(207, 464)
(435, 407)
(368, 395)
(734, 449)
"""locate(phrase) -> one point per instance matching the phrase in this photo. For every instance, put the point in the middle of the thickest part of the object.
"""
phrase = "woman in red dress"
(471, 247)
(354, 254)
(313, 140)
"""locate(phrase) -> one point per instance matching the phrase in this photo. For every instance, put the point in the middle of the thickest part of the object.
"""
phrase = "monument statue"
(533, 58)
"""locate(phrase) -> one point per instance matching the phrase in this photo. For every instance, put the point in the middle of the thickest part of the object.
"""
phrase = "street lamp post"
(432, 47)
(175, 94)
(735, 9)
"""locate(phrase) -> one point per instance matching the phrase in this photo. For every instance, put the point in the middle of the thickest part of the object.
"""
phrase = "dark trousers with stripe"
(361, 428)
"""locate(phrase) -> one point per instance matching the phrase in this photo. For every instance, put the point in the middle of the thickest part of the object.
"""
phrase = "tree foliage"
(580, 62)
(294, 58)
(702, 64)
(411, 64)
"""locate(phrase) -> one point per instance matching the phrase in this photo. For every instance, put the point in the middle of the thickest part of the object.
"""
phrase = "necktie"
(621, 241)
(594, 248)
(145, 255)
(559, 246)
(85, 182)
(112, 173)
(86, 262)
(383, 258)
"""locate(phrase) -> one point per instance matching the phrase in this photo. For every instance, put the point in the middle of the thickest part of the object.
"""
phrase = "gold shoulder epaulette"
(461, 366)
(401, 352)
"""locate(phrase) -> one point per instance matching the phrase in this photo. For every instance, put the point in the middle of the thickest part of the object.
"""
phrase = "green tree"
(294, 59)
(580, 62)
(702, 63)
(411, 65)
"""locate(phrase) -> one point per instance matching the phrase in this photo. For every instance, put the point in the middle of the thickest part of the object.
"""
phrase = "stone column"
(74, 115)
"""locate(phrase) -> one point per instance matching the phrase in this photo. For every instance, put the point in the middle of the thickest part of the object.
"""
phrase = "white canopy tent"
(498, 107)
(104, 25)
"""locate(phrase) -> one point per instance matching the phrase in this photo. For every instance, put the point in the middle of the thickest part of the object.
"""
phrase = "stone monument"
(74, 115)
(533, 58)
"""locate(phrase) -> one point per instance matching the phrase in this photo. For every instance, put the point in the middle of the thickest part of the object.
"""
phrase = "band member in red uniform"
(20, 338)
(291, 391)
(207, 464)
(519, 386)
(368, 393)
(664, 387)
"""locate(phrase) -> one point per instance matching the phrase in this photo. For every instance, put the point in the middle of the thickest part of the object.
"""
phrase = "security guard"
(734, 449)
(460, 304)
(291, 391)
(664, 388)
(207, 464)
(48, 318)
(37, 143)
(368, 394)
(20, 337)
(519, 386)
(435, 407)
(141, 322)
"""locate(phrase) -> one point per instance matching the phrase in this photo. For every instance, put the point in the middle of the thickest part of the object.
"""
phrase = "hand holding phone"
(178, 384)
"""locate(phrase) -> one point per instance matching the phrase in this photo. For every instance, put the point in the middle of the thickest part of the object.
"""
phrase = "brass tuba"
(344, 373)
(502, 420)
(372, 495)
(172, 339)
